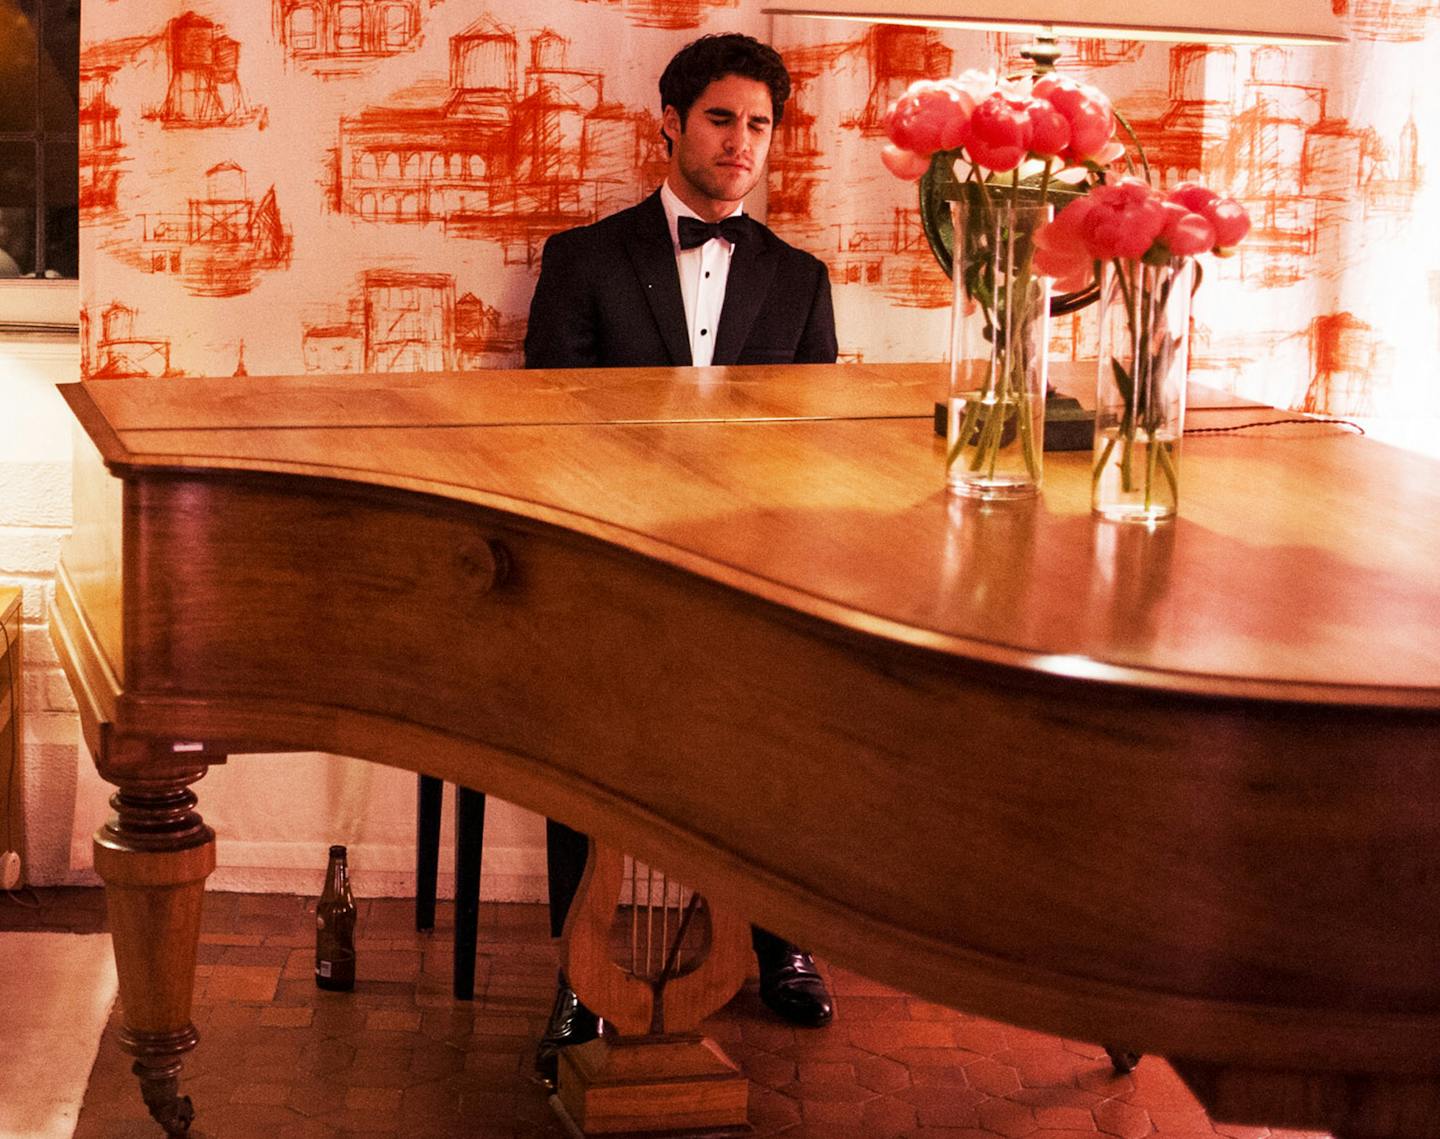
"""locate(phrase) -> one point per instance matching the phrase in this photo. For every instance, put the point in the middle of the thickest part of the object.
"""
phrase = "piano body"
(1177, 789)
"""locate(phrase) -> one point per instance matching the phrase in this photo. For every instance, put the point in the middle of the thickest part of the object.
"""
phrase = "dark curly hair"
(700, 62)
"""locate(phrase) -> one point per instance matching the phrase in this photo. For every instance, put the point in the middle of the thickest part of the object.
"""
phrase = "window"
(302, 29)
(397, 26)
(349, 27)
(39, 133)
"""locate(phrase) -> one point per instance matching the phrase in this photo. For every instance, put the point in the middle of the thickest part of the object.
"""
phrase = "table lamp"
(1297, 22)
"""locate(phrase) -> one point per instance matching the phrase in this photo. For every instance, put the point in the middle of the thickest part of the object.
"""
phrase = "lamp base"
(1068, 426)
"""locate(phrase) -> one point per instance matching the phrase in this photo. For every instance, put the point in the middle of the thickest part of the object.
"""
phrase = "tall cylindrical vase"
(999, 326)
(1140, 389)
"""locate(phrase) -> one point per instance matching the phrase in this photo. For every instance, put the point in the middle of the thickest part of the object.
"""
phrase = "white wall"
(34, 514)
(274, 815)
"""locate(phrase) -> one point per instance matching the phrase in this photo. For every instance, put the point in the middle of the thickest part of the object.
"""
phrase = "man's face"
(719, 151)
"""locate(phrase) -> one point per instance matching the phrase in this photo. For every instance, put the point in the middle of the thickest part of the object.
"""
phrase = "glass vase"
(1140, 389)
(999, 326)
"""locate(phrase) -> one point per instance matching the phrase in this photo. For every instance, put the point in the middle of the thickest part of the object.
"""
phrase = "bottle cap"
(337, 851)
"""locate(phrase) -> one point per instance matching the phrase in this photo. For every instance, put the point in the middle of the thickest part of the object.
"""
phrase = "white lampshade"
(1214, 21)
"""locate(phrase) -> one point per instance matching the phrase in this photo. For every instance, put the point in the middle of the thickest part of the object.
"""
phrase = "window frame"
(37, 304)
(348, 38)
(295, 34)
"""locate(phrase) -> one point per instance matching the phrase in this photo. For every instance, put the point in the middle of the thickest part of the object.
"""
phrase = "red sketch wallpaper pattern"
(343, 40)
(365, 185)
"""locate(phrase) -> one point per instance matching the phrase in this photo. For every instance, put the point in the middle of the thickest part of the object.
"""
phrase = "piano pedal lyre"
(653, 970)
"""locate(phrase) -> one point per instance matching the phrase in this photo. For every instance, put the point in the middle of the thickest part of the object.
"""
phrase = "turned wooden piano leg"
(154, 856)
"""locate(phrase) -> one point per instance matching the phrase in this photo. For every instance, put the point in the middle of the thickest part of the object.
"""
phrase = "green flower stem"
(1154, 408)
(1026, 423)
(966, 429)
(987, 450)
(1151, 457)
(1027, 434)
(1172, 476)
(1100, 464)
(1006, 301)
(1127, 420)
(1145, 291)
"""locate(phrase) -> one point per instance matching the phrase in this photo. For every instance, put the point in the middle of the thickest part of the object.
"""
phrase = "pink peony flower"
(1085, 108)
(1127, 219)
(1060, 249)
(905, 164)
(1065, 234)
(1228, 216)
(1050, 130)
(1124, 219)
(1230, 220)
(1000, 133)
(977, 84)
(1192, 196)
(1110, 153)
(929, 116)
(1186, 233)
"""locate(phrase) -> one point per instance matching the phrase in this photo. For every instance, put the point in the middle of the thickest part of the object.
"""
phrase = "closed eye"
(720, 118)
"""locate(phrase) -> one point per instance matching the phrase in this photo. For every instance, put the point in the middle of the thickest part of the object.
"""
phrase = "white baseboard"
(508, 874)
(377, 870)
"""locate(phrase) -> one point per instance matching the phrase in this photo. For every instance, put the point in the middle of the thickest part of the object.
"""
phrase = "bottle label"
(322, 968)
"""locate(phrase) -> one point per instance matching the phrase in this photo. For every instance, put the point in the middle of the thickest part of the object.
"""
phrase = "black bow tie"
(695, 232)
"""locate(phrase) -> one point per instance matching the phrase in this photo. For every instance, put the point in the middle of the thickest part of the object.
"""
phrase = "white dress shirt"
(703, 273)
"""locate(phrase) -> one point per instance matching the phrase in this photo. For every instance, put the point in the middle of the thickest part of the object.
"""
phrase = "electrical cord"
(1273, 423)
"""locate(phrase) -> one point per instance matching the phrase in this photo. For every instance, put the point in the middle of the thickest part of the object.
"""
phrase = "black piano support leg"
(469, 845)
(429, 795)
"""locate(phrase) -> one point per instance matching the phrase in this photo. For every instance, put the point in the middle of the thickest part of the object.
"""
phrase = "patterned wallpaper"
(283, 186)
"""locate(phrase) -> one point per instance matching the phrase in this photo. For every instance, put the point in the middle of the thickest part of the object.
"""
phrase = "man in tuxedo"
(686, 278)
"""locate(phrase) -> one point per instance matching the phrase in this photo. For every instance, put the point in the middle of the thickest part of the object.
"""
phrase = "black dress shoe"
(791, 985)
(570, 1023)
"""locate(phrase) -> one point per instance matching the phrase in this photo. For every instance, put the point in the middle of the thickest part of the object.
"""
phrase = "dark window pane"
(17, 66)
(17, 208)
(39, 160)
(60, 64)
(17, 174)
(62, 248)
(17, 241)
(62, 172)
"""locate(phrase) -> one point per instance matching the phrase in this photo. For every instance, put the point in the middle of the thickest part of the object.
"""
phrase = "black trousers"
(565, 853)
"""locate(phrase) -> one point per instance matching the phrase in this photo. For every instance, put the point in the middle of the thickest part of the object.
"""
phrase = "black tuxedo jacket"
(609, 296)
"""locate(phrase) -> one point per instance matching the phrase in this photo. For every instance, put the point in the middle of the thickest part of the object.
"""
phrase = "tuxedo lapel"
(752, 268)
(653, 256)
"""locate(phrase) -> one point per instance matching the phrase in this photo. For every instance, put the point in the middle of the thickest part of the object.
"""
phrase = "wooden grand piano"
(1177, 789)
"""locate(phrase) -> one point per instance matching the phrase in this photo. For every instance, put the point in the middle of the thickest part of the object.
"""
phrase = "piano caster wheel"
(161, 1092)
(1121, 1060)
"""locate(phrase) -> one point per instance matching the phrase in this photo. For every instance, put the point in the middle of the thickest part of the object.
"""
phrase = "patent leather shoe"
(570, 1023)
(791, 986)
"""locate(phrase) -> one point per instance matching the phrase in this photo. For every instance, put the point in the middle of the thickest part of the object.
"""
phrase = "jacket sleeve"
(562, 330)
(817, 341)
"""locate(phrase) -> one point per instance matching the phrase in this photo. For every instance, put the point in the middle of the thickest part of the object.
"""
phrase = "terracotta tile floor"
(279, 1059)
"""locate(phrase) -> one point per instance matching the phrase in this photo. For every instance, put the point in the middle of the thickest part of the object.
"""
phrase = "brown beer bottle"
(335, 927)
